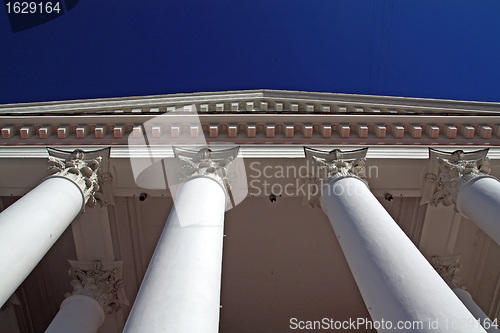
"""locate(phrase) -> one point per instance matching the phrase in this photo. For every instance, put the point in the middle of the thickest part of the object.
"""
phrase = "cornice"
(252, 101)
(255, 129)
(254, 117)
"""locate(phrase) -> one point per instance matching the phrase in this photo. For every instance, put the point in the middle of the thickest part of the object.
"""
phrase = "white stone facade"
(221, 235)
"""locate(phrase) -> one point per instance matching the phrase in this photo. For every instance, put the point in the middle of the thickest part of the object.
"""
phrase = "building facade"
(250, 211)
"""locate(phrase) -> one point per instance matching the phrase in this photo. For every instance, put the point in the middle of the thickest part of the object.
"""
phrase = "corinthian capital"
(454, 170)
(329, 166)
(84, 169)
(448, 268)
(337, 164)
(100, 281)
(206, 163)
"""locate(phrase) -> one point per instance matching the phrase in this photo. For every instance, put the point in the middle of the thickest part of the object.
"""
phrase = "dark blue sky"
(437, 49)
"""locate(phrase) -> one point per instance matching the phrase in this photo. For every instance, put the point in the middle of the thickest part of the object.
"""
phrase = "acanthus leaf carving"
(104, 285)
(454, 172)
(448, 268)
(84, 172)
(333, 165)
(205, 162)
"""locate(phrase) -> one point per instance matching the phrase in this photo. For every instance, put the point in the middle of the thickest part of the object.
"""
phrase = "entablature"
(254, 117)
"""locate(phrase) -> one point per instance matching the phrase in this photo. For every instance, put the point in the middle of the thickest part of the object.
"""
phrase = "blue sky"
(433, 49)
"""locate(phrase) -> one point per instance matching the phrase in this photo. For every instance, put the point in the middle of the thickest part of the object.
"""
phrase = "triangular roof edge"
(420, 105)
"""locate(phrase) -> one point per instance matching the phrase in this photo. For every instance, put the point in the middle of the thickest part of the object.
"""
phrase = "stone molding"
(454, 171)
(309, 129)
(414, 152)
(331, 166)
(100, 281)
(83, 168)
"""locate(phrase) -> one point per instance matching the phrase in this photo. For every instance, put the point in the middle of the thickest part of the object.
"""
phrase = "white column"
(97, 289)
(476, 311)
(397, 283)
(479, 200)
(448, 267)
(30, 226)
(181, 289)
(78, 314)
(462, 179)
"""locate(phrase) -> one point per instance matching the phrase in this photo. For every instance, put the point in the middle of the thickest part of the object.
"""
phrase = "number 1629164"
(33, 7)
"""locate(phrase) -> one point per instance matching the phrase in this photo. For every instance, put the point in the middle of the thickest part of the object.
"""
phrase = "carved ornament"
(102, 284)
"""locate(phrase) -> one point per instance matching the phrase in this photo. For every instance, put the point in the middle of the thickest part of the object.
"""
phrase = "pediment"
(257, 101)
